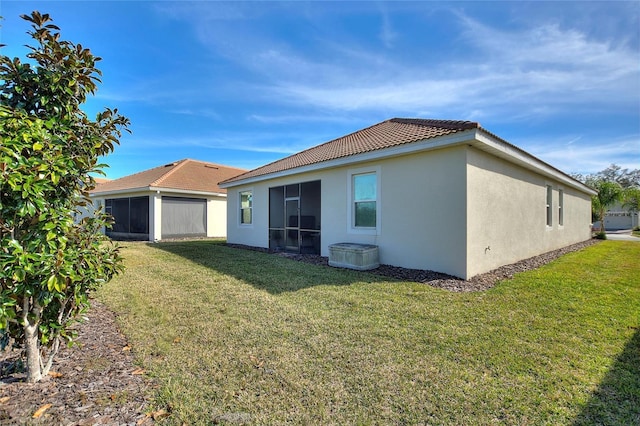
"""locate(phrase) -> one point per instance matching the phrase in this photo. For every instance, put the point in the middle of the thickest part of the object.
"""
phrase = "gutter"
(158, 190)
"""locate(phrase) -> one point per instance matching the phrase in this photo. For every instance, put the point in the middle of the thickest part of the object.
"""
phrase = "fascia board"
(517, 156)
(186, 191)
(153, 189)
(104, 194)
(475, 137)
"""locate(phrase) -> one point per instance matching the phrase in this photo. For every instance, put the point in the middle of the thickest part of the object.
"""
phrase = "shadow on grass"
(265, 271)
(617, 399)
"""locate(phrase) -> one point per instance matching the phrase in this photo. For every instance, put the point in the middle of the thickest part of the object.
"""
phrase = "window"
(246, 205)
(549, 204)
(365, 194)
(560, 207)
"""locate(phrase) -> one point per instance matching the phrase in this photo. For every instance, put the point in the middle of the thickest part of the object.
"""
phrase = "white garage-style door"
(184, 217)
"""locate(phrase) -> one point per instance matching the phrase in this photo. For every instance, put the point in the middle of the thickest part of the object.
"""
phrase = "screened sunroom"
(294, 218)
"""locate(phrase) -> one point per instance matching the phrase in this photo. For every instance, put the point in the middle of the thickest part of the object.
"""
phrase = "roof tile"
(190, 175)
(389, 133)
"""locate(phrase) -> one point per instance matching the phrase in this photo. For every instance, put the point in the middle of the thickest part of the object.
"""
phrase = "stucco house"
(441, 195)
(179, 199)
(619, 217)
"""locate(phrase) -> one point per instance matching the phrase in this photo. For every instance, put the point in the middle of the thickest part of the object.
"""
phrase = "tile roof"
(189, 175)
(389, 133)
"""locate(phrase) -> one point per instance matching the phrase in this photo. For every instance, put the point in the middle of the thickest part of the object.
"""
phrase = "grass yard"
(240, 337)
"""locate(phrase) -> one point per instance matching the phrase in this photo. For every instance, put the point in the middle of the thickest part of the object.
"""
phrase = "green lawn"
(240, 337)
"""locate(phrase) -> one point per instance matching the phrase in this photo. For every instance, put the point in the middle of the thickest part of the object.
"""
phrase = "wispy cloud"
(288, 118)
(387, 34)
(540, 67)
(571, 156)
(205, 113)
(257, 142)
(532, 68)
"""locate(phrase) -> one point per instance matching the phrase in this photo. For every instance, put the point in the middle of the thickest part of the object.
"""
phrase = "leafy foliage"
(609, 193)
(50, 261)
(632, 198)
(624, 177)
(614, 184)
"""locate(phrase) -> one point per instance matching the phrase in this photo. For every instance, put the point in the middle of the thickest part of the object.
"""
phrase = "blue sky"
(246, 83)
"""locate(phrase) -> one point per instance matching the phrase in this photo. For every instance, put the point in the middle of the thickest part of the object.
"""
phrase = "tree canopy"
(624, 177)
(614, 185)
(49, 262)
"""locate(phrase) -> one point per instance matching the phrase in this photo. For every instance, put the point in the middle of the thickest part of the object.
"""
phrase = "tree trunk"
(33, 354)
(34, 372)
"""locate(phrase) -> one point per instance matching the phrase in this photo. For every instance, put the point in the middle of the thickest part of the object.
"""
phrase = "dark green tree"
(48, 261)
(632, 198)
(624, 177)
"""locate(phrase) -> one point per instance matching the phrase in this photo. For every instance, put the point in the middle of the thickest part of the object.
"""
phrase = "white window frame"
(549, 211)
(560, 207)
(240, 192)
(351, 221)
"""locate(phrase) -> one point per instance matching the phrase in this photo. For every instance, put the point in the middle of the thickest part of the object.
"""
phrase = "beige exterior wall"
(423, 211)
(216, 217)
(421, 206)
(507, 214)
(256, 234)
(455, 210)
(216, 211)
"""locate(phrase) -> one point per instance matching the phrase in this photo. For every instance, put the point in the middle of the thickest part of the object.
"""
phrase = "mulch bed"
(97, 382)
(436, 279)
(93, 383)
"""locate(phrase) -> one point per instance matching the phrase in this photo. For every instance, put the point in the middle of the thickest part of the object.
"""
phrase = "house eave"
(493, 145)
(423, 145)
(478, 138)
(155, 189)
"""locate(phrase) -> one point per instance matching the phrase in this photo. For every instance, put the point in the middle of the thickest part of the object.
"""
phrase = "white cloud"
(205, 112)
(303, 118)
(537, 69)
(258, 142)
(387, 34)
(570, 155)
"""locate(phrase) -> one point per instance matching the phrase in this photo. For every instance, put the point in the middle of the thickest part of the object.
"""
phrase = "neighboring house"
(618, 217)
(86, 210)
(180, 199)
(442, 195)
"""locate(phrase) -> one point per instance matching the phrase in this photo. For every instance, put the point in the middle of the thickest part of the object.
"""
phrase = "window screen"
(130, 215)
(549, 203)
(560, 207)
(246, 205)
(184, 216)
(364, 199)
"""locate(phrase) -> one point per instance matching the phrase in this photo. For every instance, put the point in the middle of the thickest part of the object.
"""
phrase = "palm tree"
(608, 194)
